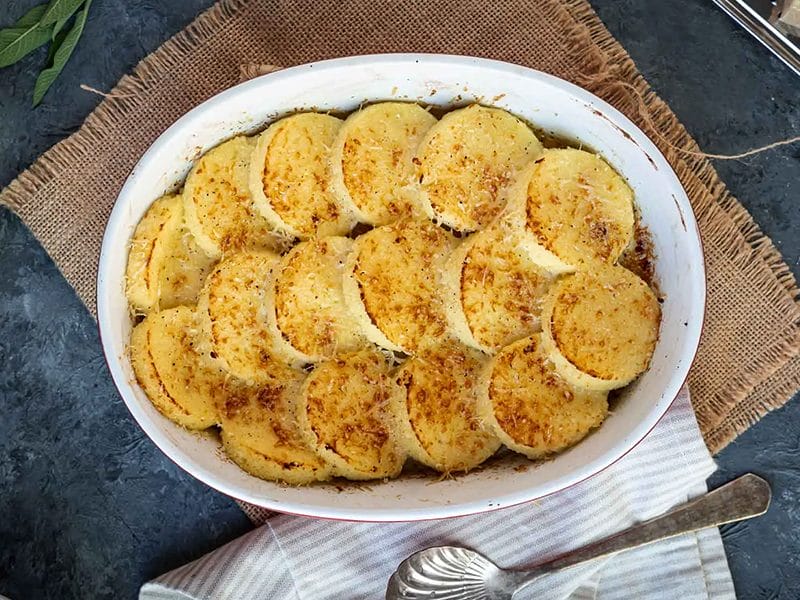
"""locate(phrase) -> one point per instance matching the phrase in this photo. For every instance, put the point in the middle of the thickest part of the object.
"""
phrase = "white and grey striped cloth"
(295, 558)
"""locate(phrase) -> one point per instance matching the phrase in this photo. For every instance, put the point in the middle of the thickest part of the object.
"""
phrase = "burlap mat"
(748, 362)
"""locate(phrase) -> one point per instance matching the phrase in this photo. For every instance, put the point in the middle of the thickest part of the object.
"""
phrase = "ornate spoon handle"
(745, 497)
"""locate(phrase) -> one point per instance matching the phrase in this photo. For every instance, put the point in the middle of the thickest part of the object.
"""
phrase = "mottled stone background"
(89, 508)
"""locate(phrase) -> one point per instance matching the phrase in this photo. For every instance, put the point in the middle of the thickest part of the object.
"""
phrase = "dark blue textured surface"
(89, 507)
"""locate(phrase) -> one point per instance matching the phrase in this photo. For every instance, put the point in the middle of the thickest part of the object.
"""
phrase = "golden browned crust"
(260, 431)
(307, 303)
(218, 206)
(231, 315)
(392, 283)
(578, 208)
(437, 413)
(344, 414)
(177, 377)
(468, 161)
(371, 161)
(290, 179)
(603, 323)
(147, 252)
(530, 407)
(500, 289)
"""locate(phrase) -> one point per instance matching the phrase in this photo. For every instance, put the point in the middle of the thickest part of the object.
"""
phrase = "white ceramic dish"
(341, 85)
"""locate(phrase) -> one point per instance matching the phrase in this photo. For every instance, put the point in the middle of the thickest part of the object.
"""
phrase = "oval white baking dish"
(342, 85)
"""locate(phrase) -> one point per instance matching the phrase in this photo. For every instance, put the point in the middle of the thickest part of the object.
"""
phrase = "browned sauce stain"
(627, 136)
(550, 139)
(680, 212)
(640, 257)
(359, 229)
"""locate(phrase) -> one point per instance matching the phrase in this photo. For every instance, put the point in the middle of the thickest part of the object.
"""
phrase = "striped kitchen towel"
(295, 558)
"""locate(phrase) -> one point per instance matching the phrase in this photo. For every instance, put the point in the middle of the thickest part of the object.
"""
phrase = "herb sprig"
(42, 24)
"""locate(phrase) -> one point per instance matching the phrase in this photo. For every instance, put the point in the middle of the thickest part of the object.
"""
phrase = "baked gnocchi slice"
(493, 291)
(177, 377)
(436, 412)
(391, 283)
(530, 408)
(467, 163)
(290, 178)
(305, 307)
(344, 415)
(166, 267)
(576, 210)
(232, 317)
(372, 171)
(601, 327)
(218, 205)
(260, 432)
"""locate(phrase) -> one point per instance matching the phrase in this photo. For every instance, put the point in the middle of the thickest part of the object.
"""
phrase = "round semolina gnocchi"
(166, 267)
(576, 210)
(305, 306)
(290, 177)
(218, 206)
(391, 283)
(232, 317)
(260, 430)
(493, 291)
(601, 327)
(468, 162)
(177, 377)
(525, 402)
(372, 165)
(344, 415)
(436, 413)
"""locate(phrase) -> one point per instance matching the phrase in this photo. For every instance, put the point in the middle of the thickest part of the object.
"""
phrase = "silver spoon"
(453, 573)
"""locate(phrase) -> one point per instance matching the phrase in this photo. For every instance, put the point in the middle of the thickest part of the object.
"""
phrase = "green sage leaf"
(22, 38)
(61, 55)
(32, 17)
(58, 39)
(59, 10)
(59, 26)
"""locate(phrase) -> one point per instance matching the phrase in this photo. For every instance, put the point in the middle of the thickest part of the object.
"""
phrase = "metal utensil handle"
(745, 497)
(763, 31)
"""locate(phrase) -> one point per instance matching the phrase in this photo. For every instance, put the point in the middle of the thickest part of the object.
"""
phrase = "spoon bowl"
(452, 572)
